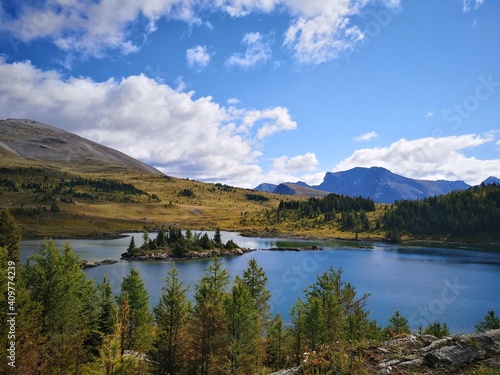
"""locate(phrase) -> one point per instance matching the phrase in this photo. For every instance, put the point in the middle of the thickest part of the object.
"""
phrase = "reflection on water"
(426, 284)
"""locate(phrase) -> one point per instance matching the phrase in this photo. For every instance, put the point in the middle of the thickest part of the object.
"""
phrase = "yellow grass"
(209, 208)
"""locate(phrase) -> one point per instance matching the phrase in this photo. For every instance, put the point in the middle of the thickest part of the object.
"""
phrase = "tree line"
(470, 214)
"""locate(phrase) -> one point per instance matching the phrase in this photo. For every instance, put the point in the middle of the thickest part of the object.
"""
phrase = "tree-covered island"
(175, 243)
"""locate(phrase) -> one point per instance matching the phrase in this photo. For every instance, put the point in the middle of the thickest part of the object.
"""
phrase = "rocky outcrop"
(95, 263)
(427, 354)
(165, 255)
(466, 349)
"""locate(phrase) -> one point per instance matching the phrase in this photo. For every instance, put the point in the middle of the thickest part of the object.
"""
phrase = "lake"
(427, 284)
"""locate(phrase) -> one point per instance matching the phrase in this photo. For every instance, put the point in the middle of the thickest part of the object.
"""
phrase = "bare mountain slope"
(36, 142)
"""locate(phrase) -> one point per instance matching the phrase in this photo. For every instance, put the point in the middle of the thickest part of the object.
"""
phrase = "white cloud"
(307, 162)
(280, 120)
(429, 114)
(91, 27)
(232, 101)
(258, 52)
(366, 137)
(240, 8)
(319, 30)
(429, 158)
(184, 136)
(198, 57)
(322, 30)
(469, 5)
(321, 38)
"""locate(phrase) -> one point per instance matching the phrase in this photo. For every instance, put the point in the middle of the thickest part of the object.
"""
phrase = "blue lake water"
(426, 284)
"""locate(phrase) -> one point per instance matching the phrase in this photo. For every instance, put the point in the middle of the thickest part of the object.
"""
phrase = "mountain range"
(379, 184)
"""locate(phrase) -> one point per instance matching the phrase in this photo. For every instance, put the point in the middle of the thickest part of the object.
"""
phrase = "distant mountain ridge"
(31, 141)
(379, 184)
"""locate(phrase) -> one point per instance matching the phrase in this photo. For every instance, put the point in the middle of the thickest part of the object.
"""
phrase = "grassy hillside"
(48, 202)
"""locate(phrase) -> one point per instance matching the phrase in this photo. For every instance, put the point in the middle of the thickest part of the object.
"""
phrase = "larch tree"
(209, 326)
(256, 281)
(59, 284)
(170, 316)
(276, 343)
(136, 316)
(243, 330)
(10, 235)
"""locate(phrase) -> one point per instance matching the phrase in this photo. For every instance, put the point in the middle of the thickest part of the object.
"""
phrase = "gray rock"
(493, 362)
(414, 362)
(488, 341)
(289, 371)
(454, 355)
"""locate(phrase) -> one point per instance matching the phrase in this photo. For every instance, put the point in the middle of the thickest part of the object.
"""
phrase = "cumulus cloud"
(323, 31)
(258, 52)
(307, 162)
(91, 27)
(198, 57)
(366, 137)
(319, 31)
(429, 114)
(174, 131)
(279, 116)
(429, 158)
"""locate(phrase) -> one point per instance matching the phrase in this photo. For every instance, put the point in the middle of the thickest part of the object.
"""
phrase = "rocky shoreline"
(94, 263)
(163, 255)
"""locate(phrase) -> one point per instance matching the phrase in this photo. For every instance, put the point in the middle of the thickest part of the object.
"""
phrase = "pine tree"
(490, 322)
(209, 321)
(161, 239)
(217, 238)
(256, 281)
(31, 352)
(243, 330)
(138, 318)
(106, 306)
(145, 237)
(10, 235)
(297, 332)
(398, 324)
(131, 247)
(170, 316)
(276, 339)
(60, 286)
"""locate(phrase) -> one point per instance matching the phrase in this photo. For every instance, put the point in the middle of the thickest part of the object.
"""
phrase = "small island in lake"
(172, 243)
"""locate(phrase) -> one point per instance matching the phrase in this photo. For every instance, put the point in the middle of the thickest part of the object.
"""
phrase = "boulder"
(454, 355)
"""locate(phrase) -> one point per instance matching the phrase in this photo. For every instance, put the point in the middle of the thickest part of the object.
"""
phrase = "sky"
(243, 92)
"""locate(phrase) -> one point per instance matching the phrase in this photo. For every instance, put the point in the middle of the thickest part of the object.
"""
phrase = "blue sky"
(251, 91)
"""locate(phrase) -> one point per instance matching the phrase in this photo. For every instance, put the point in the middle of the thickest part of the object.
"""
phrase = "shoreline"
(489, 245)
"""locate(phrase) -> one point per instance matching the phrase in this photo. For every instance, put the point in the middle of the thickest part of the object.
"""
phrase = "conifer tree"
(256, 281)
(138, 318)
(209, 321)
(10, 235)
(161, 238)
(131, 246)
(243, 330)
(171, 316)
(107, 308)
(31, 353)
(276, 339)
(490, 321)
(217, 238)
(60, 286)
